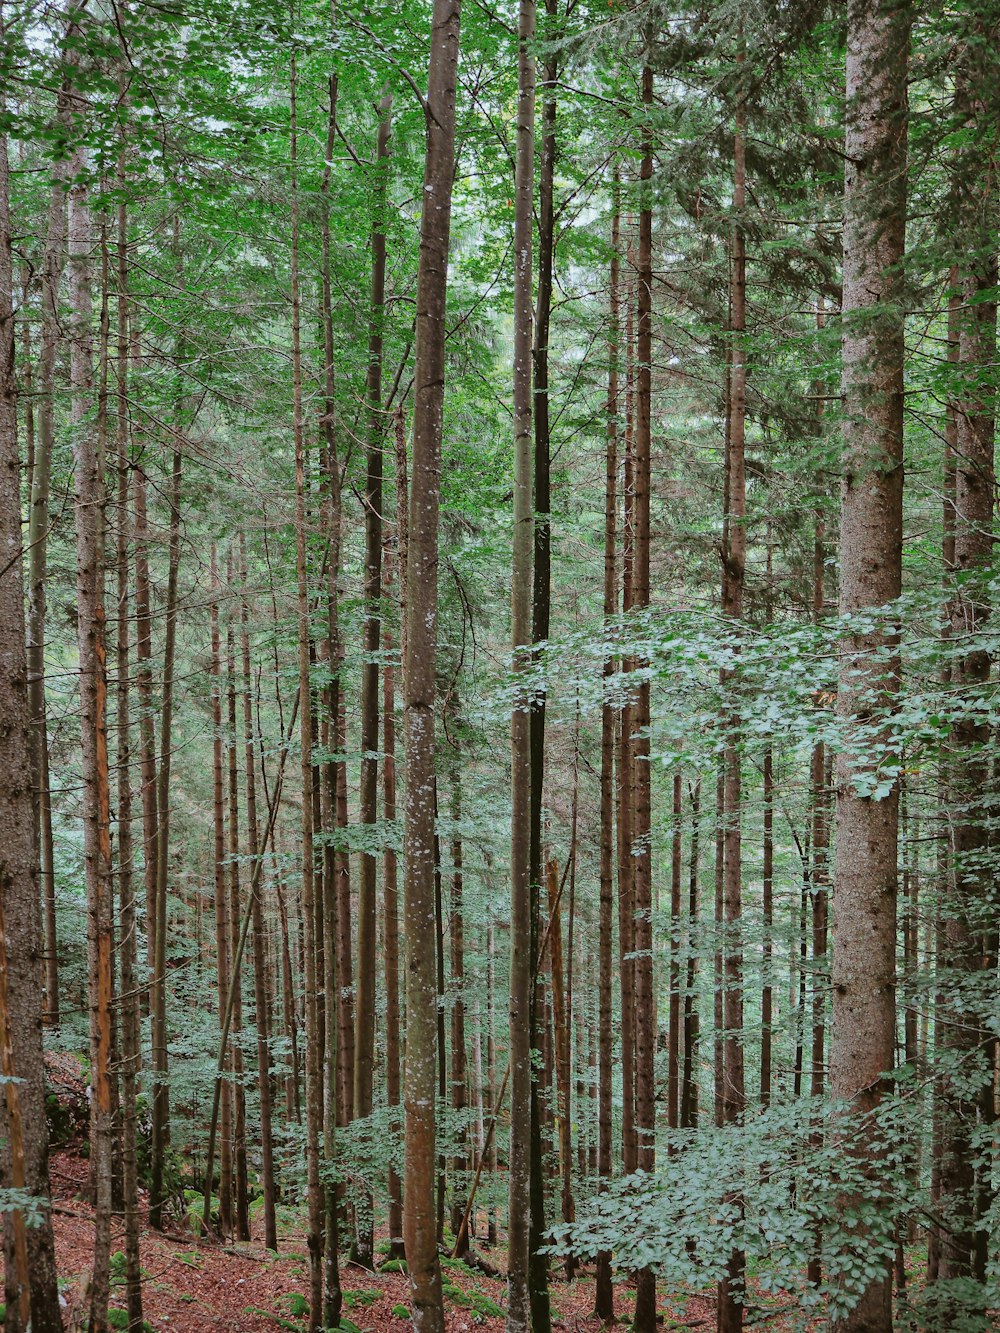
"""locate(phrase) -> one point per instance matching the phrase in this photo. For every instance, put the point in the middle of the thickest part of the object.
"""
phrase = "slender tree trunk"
(390, 893)
(260, 986)
(242, 1202)
(864, 947)
(689, 1076)
(419, 1223)
(604, 1298)
(131, 1047)
(626, 726)
(945, 860)
(674, 1036)
(223, 930)
(364, 1049)
(969, 912)
(53, 262)
(646, 1025)
(459, 1095)
(31, 1290)
(519, 1311)
(731, 1289)
(89, 507)
(491, 1067)
(313, 1055)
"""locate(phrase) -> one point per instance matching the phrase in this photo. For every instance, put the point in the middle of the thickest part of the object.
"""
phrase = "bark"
(968, 952)
(645, 997)
(689, 1077)
(561, 1044)
(676, 998)
(459, 1096)
(863, 965)
(314, 1068)
(733, 575)
(332, 987)
(364, 1048)
(390, 893)
(53, 262)
(419, 1224)
(260, 986)
(625, 766)
(31, 1290)
(130, 1030)
(242, 1202)
(89, 501)
(604, 1301)
(519, 1310)
(223, 931)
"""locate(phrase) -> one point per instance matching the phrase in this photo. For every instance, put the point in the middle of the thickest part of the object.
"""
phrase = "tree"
(419, 676)
(864, 884)
(29, 1253)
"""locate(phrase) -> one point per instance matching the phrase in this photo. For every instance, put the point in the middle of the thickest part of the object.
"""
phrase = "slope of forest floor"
(190, 1284)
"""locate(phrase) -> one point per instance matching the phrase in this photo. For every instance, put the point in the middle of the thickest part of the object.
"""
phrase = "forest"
(499, 747)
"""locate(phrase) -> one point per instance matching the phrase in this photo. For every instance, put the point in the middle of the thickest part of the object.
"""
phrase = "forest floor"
(190, 1284)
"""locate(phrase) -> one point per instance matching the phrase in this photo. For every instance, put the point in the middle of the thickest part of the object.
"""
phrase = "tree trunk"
(242, 1202)
(390, 893)
(969, 911)
(53, 262)
(459, 1097)
(260, 987)
(864, 949)
(31, 1290)
(364, 1045)
(131, 1045)
(419, 1223)
(332, 1297)
(223, 930)
(519, 1311)
(689, 1076)
(645, 996)
(731, 1289)
(313, 1056)
(604, 1297)
(89, 499)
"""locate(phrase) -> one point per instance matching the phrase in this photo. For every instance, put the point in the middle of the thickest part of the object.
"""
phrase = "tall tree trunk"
(131, 1045)
(364, 1046)
(625, 766)
(419, 1223)
(689, 1076)
(864, 947)
(242, 1202)
(89, 499)
(260, 986)
(969, 911)
(674, 1041)
(31, 1290)
(223, 930)
(645, 996)
(336, 1009)
(390, 892)
(53, 262)
(604, 1298)
(731, 1288)
(519, 1310)
(313, 1055)
(536, 418)
(459, 1095)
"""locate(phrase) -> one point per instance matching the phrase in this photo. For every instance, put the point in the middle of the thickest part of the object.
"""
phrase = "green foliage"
(361, 1297)
(401, 1311)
